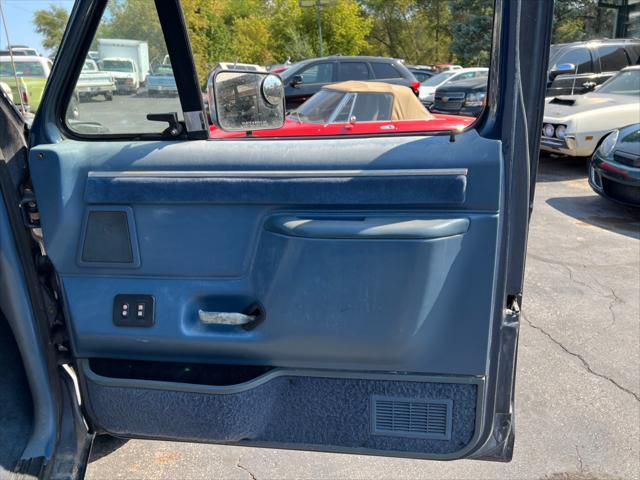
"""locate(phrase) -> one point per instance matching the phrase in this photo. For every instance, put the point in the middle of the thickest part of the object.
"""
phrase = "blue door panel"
(402, 281)
(364, 257)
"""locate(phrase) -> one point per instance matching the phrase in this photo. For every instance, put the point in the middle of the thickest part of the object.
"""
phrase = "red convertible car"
(354, 107)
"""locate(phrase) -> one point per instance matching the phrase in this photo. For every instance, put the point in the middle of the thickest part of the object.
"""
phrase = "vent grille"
(410, 417)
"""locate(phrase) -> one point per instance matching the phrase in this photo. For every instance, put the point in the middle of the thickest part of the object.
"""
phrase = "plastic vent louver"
(411, 417)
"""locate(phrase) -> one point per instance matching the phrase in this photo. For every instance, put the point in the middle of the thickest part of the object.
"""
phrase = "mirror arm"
(175, 127)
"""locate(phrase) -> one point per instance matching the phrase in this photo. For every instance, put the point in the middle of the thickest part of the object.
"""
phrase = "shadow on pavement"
(599, 212)
(103, 445)
(558, 169)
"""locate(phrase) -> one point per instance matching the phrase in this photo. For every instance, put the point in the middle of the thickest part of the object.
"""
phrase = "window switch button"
(142, 314)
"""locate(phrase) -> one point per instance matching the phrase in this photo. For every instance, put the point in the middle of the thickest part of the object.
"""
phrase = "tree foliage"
(576, 20)
(415, 30)
(50, 24)
(471, 28)
(272, 31)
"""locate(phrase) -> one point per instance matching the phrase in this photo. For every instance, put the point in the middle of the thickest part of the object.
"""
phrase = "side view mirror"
(296, 80)
(245, 101)
(562, 69)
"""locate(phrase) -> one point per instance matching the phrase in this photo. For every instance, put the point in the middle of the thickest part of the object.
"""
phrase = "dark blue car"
(614, 171)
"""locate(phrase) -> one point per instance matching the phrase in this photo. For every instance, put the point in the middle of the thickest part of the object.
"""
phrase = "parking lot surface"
(110, 114)
(578, 390)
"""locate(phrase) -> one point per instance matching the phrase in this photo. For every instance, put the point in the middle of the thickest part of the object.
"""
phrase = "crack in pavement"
(585, 364)
(580, 464)
(242, 467)
(614, 299)
(558, 262)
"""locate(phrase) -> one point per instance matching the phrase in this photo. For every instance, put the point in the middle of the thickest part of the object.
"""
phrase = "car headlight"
(609, 144)
(561, 131)
(474, 99)
(548, 130)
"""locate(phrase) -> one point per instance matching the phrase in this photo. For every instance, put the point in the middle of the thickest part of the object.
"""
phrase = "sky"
(19, 16)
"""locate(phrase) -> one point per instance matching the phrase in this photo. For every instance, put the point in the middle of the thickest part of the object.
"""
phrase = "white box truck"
(112, 51)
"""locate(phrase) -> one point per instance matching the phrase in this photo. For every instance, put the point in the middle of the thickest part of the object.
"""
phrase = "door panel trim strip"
(282, 173)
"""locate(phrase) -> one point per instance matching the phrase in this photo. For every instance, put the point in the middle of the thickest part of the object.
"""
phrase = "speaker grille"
(410, 417)
(107, 238)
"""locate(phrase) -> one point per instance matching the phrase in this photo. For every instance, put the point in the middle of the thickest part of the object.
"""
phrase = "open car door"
(352, 294)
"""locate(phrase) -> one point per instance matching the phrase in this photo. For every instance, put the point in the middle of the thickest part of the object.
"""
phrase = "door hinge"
(512, 310)
(29, 210)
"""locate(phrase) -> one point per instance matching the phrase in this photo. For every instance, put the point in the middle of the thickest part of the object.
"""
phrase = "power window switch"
(133, 310)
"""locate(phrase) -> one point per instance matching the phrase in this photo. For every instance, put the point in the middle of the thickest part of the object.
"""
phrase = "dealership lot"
(137, 106)
(578, 390)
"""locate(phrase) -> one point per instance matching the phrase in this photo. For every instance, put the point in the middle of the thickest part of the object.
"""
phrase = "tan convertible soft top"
(406, 105)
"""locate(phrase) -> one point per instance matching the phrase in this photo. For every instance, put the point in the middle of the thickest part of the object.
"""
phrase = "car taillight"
(278, 70)
(415, 86)
(25, 96)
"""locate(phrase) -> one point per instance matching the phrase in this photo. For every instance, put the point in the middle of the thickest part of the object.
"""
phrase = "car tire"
(108, 96)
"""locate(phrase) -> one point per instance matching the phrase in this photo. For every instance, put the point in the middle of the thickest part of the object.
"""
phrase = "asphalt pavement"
(578, 386)
(135, 108)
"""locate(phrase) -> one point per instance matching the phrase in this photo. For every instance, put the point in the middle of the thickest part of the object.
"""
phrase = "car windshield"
(163, 70)
(89, 67)
(625, 83)
(318, 109)
(438, 79)
(23, 69)
(117, 66)
(554, 54)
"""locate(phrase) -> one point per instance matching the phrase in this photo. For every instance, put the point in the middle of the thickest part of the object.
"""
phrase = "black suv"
(578, 67)
(305, 78)
(464, 97)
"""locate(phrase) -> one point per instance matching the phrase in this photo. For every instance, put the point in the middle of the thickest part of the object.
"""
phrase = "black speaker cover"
(107, 238)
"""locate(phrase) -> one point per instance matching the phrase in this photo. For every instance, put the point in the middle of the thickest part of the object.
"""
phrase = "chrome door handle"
(225, 318)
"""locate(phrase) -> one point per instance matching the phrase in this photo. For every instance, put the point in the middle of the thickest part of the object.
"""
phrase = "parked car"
(443, 67)
(422, 72)
(464, 97)
(429, 86)
(576, 68)
(614, 170)
(34, 72)
(93, 82)
(575, 125)
(161, 82)
(20, 50)
(124, 71)
(305, 78)
(357, 107)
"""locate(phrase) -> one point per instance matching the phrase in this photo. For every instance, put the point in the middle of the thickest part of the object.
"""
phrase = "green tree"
(50, 24)
(209, 34)
(289, 38)
(134, 20)
(415, 30)
(294, 30)
(471, 28)
(252, 40)
(345, 28)
(577, 20)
